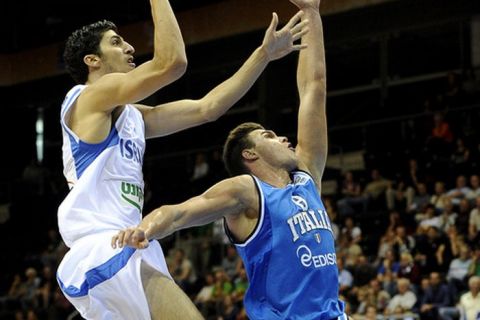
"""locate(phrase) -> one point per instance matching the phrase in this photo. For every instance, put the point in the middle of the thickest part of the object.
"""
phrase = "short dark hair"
(82, 42)
(236, 142)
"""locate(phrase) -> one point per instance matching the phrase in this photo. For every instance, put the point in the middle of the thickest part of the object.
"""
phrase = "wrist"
(262, 53)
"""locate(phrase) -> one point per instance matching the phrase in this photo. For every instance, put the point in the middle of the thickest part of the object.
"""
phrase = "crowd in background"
(407, 235)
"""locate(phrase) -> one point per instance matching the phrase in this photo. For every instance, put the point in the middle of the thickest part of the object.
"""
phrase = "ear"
(92, 60)
(249, 154)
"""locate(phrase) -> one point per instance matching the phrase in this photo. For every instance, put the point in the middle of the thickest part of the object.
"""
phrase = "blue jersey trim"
(99, 274)
(85, 153)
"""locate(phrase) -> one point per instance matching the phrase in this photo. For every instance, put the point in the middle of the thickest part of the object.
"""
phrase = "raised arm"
(189, 113)
(311, 81)
(167, 64)
(228, 198)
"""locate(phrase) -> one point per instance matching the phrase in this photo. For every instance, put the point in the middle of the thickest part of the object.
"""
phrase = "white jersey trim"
(261, 217)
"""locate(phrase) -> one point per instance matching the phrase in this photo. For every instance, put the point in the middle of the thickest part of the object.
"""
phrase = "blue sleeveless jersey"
(290, 257)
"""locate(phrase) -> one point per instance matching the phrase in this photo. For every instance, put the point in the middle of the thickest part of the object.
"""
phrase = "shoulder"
(239, 185)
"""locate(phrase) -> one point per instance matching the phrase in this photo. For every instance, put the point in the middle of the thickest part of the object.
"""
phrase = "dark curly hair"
(82, 42)
(236, 142)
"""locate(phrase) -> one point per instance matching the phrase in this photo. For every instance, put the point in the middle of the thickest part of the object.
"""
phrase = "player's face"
(116, 54)
(275, 150)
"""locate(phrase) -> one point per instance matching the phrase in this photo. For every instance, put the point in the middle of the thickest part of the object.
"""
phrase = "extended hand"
(132, 237)
(279, 43)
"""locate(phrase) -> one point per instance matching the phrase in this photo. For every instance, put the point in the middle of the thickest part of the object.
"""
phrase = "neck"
(276, 177)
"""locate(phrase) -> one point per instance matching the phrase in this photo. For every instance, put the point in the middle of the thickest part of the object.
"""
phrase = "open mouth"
(130, 62)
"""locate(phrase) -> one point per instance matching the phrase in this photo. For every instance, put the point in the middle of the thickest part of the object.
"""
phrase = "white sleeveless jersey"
(105, 179)
(106, 195)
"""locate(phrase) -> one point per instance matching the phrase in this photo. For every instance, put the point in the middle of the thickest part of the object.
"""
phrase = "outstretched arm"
(189, 113)
(311, 81)
(229, 197)
(167, 65)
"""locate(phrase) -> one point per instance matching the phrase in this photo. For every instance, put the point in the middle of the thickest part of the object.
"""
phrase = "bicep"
(117, 89)
(223, 199)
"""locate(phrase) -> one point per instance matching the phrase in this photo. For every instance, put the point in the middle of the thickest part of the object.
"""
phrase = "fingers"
(293, 20)
(129, 237)
(273, 23)
(114, 240)
(298, 47)
(299, 30)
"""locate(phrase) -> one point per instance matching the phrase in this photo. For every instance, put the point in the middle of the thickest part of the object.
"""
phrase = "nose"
(283, 139)
(129, 49)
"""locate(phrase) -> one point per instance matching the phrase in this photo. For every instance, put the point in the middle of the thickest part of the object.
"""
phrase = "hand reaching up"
(278, 44)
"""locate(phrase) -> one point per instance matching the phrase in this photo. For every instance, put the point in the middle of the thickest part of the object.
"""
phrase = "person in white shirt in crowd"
(468, 307)
(460, 191)
(403, 301)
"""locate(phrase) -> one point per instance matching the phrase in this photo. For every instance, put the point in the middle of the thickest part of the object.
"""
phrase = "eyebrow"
(116, 37)
(268, 132)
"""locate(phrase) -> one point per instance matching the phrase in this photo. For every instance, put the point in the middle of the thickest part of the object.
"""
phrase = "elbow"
(178, 67)
(174, 67)
(212, 112)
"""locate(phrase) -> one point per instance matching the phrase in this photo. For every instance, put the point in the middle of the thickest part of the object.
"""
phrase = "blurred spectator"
(453, 90)
(433, 250)
(403, 242)
(436, 297)
(468, 307)
(409, 269)
(200, 167)
(231, 262)
(458, 271)
(396, 195)
(387, 243)
(441, 136)
(29, 289)
(351, 198)
(240, 286)
(389, 265)
(460, 190)
(403, 301)
(345, 278)
(428, 218)
(371, 295)
(199, 178)
(474, 221)
(183, 271)
(228, 310)
(222, 287)
(204, 298)
(375, 189)
(463, 217)
(352, 231)
(460, 158)
(474, 269)
(11, 300)
(363, 272)
(474, 188)
(439, 195)
(421, 198)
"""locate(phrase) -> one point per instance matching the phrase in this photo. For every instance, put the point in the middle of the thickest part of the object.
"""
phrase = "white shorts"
(104, 283)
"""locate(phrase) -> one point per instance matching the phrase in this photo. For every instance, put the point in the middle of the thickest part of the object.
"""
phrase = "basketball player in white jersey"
(104, 135)
(272, 206)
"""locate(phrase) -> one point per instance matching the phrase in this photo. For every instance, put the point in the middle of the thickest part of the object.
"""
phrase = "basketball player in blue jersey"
(272, 206)
(104, 135)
